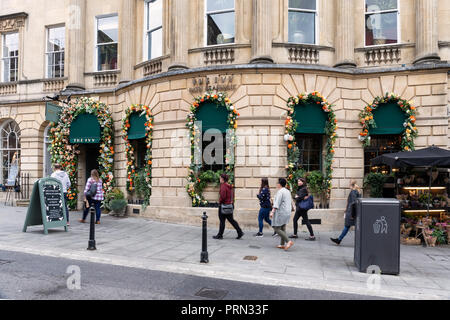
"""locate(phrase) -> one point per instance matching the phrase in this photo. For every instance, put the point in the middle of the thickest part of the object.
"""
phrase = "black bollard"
(91, 245)
(204, 254)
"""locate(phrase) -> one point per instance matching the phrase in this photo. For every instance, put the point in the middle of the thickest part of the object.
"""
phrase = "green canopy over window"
(310, 118)
(213, 117)
(137, 126)
(389, 119)
(85, 129)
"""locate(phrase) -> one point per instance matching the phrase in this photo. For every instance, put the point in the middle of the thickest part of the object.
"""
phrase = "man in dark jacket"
(226, 198)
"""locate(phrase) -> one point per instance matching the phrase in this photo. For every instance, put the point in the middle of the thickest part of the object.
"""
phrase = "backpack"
(92, 190)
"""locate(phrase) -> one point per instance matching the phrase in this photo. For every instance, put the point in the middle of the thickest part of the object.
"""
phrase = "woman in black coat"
(349, 212)
(302, 194)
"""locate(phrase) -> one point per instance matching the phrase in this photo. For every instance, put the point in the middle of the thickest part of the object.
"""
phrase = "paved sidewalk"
(140, 243)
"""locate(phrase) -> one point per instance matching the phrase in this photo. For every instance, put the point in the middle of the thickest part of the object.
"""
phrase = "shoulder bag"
(226, 209)
(307, 204)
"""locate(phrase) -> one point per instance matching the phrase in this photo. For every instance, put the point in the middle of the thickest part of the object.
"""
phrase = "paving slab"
(146, 244)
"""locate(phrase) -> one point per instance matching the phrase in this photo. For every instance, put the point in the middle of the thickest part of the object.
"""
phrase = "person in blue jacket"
(265, 204)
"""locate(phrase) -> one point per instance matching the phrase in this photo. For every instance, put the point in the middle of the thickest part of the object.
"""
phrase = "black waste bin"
(377, 235)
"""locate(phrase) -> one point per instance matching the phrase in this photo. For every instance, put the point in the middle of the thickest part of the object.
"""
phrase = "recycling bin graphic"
(377, 235)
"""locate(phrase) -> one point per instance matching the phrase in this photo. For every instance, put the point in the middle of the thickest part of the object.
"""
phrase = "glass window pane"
(6, 70)
(221, 28)
(302, 27)
(154, 14)
(381, 28)
(215, 5)
(11, 45)
(379, 5)
(155, 44)
(56, 39)
(107, 57)
(107, 30)
(303, 4)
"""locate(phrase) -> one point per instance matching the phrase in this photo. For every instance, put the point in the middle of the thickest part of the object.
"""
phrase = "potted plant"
(375, 182)
(142, 188)
(114, 194)
(118, 207)
(316, 184)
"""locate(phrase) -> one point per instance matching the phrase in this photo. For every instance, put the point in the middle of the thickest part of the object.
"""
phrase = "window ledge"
(95, 73)
(300, 45)
(219, 46)
(385, 46)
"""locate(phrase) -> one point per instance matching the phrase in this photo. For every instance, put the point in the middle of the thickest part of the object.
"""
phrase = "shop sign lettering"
(84, 140)
(212, 83)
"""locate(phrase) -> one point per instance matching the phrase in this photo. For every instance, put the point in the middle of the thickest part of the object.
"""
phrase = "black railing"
(22, 187)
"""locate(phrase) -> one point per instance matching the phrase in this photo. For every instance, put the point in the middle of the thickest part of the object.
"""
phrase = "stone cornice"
(12, 22)
(348, 73)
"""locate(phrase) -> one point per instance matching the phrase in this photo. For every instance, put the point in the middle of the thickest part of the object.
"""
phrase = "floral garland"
(290, 129)
(367, 120)
(222, 101)
(66, 154)
(129, 150)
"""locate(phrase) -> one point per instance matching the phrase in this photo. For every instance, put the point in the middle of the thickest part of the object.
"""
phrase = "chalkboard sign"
(47, 205)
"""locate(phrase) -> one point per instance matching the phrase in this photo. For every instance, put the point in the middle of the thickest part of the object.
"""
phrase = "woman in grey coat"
(281, 213)
(349, 212)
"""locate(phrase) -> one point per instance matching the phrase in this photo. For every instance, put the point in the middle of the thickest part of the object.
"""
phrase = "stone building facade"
(260, 63)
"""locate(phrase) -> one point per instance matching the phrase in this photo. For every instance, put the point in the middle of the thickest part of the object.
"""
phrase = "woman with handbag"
(350, 211)
(94, 195)
(281, 213)
(265, 204)
(301, 209)
(226, 208)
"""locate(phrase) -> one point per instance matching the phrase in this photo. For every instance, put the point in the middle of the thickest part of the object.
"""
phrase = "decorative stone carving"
(12, 22)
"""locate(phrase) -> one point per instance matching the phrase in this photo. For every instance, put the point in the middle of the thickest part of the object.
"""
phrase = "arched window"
(214, 124)
(47, 157)
(10, 152)
(310, 135)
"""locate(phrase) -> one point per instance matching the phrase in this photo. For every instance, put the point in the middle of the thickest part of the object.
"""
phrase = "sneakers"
(294, 236)
(289, 245)
(218, 237)
(337, 241)
(240, 236)
(275, 234)
(259, 235)
(311, 239)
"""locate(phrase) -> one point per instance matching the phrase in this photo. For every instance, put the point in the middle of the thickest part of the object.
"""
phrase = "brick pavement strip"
(146, 244)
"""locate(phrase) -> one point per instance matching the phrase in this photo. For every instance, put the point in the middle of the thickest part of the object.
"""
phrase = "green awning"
(310, 118)
(85, 129)
(389, 119)
(137, 126)
(213, 117)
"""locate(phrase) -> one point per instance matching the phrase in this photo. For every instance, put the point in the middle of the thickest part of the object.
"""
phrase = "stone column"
(345, 50)
(76, 28)
(262, 32)
(127, 42)
(427, 49)
(179, 34)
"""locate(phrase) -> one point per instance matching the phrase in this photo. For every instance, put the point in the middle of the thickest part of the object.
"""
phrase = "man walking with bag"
(226, 208)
